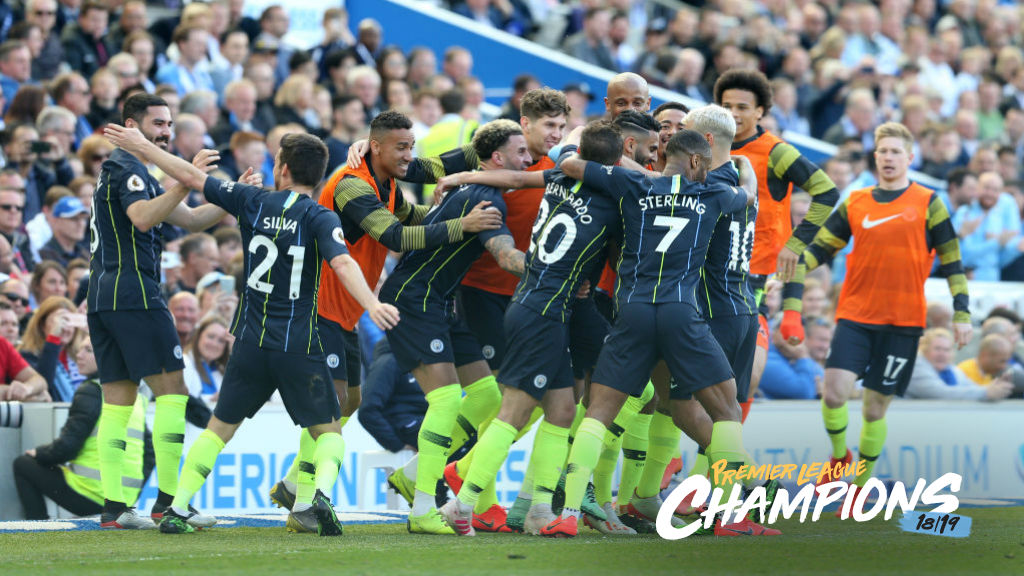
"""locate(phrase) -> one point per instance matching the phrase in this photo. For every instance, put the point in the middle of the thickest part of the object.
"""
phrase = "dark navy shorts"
(737, 335)
(587, 332)
(133, 344)
(253, 373)
(674, 332)
(483, 313)
(884, 358)
(434, 336)
(538, 352)
(342, 350)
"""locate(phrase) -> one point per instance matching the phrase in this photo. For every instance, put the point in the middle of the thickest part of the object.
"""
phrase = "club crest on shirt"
(488, 352)
(540, 381)
(135, 183)
(338, 236)
(436, 346)
(177, 352)
(333, 361)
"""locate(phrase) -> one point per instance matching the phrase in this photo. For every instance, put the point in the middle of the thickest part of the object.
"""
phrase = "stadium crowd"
(952, 72)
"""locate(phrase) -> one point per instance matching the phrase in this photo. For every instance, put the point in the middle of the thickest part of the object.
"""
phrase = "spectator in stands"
(68, 223)
(859, 120)
(104, 88)
(451, 131)
(199, 257)
(935, 377)
(12, 205)
(393, 405)
(458, 63)
(141, 46)
(293, 103)
(206, 358)
(214, 300)
(28, 102)
(203, 104)
(15, 68)
(10, 330)
(43, 13)
(133, 18)
(15, 293)
(349, 123)
(939, 315)
(962, 188)
(784, 107)
(44, 346)
(990, 119)
(991, 362)
(190, 135)
(186, 75)
(989, 229)
(422, 65)
(246, 150)
(274, 23)
(71, 91)
(231, 66)
(85, 42)
(78, 273)
(426, 113)
(54, 470)
(31, 35)
(56, 126)
(126, 68)
(791, 372)
(22, 158)
(947, 153)
(49, 278)
(522, 84)
(229, 245)
(184, 307)
(473, 91)
(336, 37)
(590, 44)
(93, 152)
(397, 96)
(370, 36)
(1009, 166)
(364, 83)
(339, 64)
(239, 113)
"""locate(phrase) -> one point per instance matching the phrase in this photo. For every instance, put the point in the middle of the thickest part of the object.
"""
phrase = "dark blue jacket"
(393, 405)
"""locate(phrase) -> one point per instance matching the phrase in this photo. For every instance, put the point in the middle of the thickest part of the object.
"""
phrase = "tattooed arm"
(503, 248)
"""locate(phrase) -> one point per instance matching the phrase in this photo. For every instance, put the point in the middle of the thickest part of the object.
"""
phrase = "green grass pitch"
(830, 546)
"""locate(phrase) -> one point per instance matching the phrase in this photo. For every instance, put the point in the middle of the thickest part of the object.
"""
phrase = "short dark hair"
(10, 46)
(387, 121)
(601, 142)
(522, 81)
(298, 59)
(492, 136)
(136, 106)
(957, 176)
(306, 158)
(542, 102)
(182, 33)
(750, 80)
(688, 142)
(342, 100)
(636, 122)
(453, 101)
(671, 106)
(192, 243)
(227, 235)
(334, 58)
(90, 6)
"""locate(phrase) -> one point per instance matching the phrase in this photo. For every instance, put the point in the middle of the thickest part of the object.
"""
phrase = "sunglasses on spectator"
(17, 298)
(45, 12)
(12, 208)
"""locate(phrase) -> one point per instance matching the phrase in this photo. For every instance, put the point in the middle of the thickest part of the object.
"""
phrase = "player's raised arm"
(385, 316)
(748, 178)
(943, 237)
(504, 179)
(133, 141)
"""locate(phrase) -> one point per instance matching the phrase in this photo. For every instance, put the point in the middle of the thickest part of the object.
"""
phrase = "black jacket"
(392, 401)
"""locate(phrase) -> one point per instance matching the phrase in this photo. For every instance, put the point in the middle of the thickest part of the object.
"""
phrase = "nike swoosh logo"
(888, 382)
(485, 523)
(867, 223)
(747, 532)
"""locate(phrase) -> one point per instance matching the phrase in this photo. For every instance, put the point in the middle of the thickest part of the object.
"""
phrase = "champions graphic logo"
(809, 499)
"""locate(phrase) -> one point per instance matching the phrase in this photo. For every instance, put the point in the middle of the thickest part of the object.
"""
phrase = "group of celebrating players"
(608, 283)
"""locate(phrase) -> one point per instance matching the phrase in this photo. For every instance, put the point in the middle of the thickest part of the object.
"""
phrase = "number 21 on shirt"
(298, 254)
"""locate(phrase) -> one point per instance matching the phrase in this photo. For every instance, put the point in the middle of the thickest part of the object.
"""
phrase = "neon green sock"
(836, 420)
(582, 459)
(872, 439)
(305, 466)
(534, 416)
(700, 463)
(549, 451)
(202, 457)
(481, 404)
(609, 458)
(664, 440)
(434, 438)
(169, 439)
(328, 455)
(726, 444)
(494, 445)
(581, 412)
(111, 440)
(527, 488)
(634, 455)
